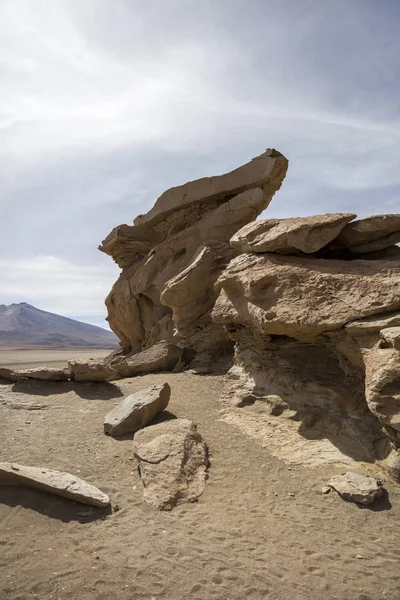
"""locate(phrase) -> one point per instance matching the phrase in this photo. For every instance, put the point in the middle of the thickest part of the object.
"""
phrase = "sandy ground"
(29, 358)
(262, 529)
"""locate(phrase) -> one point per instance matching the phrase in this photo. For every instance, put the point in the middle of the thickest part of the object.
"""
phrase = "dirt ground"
(262, 529)
(30, 358)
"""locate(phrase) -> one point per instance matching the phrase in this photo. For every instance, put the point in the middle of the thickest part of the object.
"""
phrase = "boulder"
(137, 410)
(290, 236)
(91, 370)
(173, 460)
(53, 482)
(357, 488)
(360, 235)
(391, 337)
(44, 373)
(9, 374)
(382, 386)
(303, 297)
(266, 170)
(160, 357)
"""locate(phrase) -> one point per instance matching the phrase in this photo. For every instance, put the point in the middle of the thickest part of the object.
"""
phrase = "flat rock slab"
(172, 459)
(137, 410)
(290, 236)
(54, 482)
(91, 370)
(356, 488)
(365, 231)
(160, 357)
(41, 373)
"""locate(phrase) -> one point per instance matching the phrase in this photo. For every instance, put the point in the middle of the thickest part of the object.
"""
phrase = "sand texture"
(262, 529)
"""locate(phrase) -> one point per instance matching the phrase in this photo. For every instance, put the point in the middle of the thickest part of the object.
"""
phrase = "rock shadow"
(89, 390)
(50, 505)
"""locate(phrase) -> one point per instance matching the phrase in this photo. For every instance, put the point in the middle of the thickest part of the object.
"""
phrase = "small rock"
(137, 410)
(359, 556)
(357, 488)
(173, 460)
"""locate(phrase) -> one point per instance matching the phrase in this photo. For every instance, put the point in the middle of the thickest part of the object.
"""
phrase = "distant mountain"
(24, 326)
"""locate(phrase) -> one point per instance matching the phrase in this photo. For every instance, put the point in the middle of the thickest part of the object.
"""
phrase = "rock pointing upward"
(54, 482)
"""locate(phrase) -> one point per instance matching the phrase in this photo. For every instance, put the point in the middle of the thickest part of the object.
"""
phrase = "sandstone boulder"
(290, 236)
(303, 297)
(44, 373)
(137, 410)
(266, 170)
(357, 488)
(391, 337)
(9, 374)
(160, 357)
(173, 460)
(53, 482)
(360, 236)
(382, 386)
(91, 370)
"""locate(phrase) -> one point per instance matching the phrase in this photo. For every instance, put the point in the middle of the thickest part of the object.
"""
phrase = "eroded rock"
(357, 488)
(173, 460)
(289, 236)
(137, 410)
(160, 357)
(53, 482)
(361, 235)
(91, 370)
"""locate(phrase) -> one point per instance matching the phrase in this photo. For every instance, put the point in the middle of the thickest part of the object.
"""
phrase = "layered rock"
(182, 244)
(311, 306)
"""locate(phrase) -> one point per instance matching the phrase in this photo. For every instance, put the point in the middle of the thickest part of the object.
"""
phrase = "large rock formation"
(310, 305)
(172, 256)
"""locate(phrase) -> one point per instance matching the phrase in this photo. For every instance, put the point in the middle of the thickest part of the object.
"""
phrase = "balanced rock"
(289, 236)
(160, 357)
(263, 171)
(91, 370)
(54, 482)
(369, 234)
(137, 410)
(357, 488)
(173, 460)
(162, 254)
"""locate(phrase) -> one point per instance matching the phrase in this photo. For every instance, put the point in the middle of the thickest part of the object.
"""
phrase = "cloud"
(110, 103)
(57, 285)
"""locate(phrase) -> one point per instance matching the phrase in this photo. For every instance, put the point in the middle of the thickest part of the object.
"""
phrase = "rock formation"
(172, 460)
(137, 410)
(172, 256)
(310, 305)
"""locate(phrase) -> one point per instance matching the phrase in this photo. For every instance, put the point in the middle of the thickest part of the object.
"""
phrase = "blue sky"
(105, 104)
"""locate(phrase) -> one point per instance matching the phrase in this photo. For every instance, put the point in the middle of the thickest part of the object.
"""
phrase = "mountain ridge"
(24, 325)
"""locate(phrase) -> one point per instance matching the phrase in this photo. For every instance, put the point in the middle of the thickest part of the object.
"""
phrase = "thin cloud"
(110, 103)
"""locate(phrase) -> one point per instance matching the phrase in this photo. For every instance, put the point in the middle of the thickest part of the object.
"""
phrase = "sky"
(104, 104)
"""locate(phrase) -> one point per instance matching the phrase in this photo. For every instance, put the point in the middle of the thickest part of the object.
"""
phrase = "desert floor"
(262, 528)
(29, 358)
